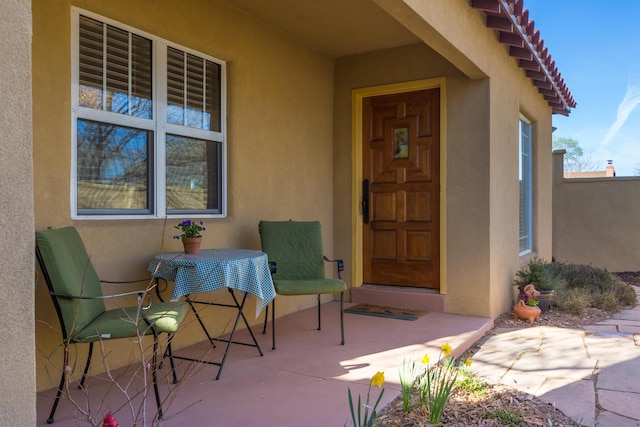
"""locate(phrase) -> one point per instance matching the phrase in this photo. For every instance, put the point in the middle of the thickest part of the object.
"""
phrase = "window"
(526, 196)
(149, 137)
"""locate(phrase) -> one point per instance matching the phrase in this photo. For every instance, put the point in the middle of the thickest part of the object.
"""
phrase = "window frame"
(525, 173)
(158, 125)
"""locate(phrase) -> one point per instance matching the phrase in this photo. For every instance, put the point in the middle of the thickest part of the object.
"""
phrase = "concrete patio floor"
(303, 382)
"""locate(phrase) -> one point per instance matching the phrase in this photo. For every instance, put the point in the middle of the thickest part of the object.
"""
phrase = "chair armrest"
(339, 265)
(127, 281)
(140, 294)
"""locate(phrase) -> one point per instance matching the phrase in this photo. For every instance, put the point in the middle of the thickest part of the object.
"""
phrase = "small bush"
(583, 286)
(538, 273)
(626, 295)
(572, 301)
(507, 417)
(471, 383)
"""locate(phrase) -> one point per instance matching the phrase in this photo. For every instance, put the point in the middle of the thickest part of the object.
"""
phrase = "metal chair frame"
(273, 267)
(66, 341)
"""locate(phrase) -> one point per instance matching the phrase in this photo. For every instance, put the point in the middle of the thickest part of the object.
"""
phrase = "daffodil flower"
(425, 360)
(378, 379)
(467, 362)
(446, 349)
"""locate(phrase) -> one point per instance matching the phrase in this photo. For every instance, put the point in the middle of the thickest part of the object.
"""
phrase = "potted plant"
(539, 274)
(191, 235)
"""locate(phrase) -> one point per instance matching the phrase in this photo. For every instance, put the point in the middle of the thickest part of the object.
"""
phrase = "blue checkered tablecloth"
(212, 269)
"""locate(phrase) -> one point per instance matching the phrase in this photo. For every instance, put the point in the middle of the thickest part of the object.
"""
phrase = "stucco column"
(17, 352)
(558, 176)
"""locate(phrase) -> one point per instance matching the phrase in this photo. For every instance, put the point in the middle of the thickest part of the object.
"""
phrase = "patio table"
(212, 269)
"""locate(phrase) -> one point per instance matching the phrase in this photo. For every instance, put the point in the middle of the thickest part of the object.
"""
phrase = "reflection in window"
(112, 166)
(193, 173)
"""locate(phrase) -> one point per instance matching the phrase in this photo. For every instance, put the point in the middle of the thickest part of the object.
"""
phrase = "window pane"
(193, 91)
(115, 71)
(113, 166)
(526, 199)
(193, 174)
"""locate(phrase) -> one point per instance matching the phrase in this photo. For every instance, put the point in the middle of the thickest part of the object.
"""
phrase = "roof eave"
(517, 31)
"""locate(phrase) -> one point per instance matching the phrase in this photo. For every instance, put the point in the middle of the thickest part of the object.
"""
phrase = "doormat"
(389, 312)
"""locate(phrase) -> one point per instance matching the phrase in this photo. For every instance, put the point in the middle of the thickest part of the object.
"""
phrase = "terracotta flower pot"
(523, 311)
(191, 244)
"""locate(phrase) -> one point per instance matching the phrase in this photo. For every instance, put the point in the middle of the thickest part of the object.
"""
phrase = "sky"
(596, 47)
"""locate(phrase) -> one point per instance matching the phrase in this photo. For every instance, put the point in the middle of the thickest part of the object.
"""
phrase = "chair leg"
(86, 367)
(171, 362)
(154, 375)
(319, 320)
(65, 362)
(341, 318)
(273, 324)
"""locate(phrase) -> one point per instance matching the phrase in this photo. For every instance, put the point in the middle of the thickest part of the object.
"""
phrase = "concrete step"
(400, 297)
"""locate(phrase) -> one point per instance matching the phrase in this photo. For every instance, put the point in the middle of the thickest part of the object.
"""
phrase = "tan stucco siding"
(17, 370)
(280, 156)
(596, 220)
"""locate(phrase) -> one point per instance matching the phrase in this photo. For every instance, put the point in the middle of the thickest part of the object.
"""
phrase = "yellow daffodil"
(468, 361)
(378, 379)
(425, 360)
(446, 349)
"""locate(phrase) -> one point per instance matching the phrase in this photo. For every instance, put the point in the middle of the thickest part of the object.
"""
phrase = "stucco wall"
(595, 220)
(280, 103)
(17, 352)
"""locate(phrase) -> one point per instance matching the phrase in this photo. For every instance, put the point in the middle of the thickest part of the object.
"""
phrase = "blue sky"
(596, 46)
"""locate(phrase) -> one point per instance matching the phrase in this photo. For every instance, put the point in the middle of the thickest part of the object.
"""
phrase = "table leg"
(238, 305)
(204, 328)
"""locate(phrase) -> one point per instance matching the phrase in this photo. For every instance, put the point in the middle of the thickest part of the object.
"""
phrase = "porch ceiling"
(339, 28)
(335, 28)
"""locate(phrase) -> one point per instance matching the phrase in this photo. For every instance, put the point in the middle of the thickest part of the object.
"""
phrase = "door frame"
(357, 96)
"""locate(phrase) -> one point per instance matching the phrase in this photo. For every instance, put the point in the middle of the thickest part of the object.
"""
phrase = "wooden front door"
(401, 189)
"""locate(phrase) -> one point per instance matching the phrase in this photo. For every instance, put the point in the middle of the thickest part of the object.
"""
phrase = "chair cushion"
(122, 322)
(309, 287)
(71, 272)
(295, 246)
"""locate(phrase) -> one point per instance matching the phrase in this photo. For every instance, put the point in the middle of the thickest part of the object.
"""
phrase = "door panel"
(401, 155)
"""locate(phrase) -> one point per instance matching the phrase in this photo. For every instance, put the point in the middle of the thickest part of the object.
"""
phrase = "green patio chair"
(297, 265)
(77, 297)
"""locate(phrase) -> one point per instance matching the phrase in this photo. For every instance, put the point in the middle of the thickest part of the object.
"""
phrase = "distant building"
(609, 172)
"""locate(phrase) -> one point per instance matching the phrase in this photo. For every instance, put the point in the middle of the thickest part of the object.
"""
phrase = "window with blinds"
(193, 91)
(114, 70)
(149, 134)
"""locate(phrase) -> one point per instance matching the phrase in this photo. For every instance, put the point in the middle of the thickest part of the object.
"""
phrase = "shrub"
(572, 301)
(538, 273)
(583, 286)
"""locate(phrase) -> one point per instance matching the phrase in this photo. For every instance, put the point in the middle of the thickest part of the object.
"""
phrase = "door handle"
(365, 201)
